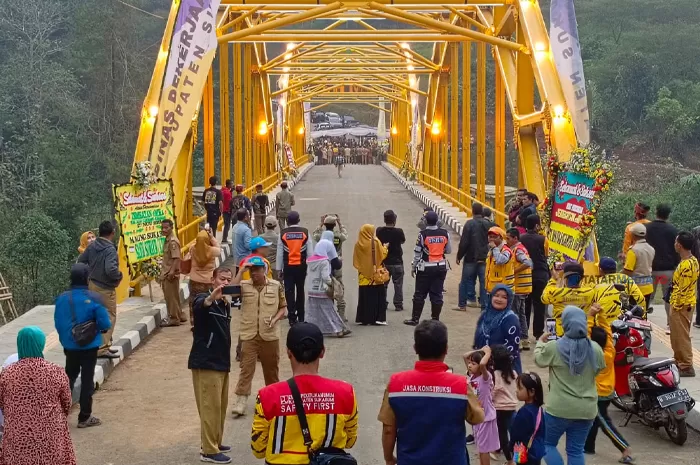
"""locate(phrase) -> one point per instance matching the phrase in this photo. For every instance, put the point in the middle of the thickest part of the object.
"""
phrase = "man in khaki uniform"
(263, 305)
(170, 275)
(284, 201)
(102, 259)
(273, 237)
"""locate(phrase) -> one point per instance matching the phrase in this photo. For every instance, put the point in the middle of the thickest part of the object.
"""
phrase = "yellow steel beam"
(242, 17)
(467, 19)
(500, 146)
(404, 86)
(224, 112)
(238, 122)
(414, 56)
(454, 128)
(447, 27)
(352, 65)
(279, 60)
(427, 5)
(481, 121)
(268, 25)
(295, 86)
(466, 120)
(317, 107)
(308, 96)
(342, 37)
(208, 107)
(354, 72)
(376, 106)
(381, 92)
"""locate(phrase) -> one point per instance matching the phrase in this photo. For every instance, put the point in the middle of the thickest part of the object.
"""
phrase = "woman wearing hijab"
(87, 238)
(204, 253)
(35, 398)
(320, 307)
(498, 324)
(368, 255)
(572, 404)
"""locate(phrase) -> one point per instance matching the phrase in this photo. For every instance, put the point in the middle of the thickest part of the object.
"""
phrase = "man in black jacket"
(473, 249)
(210, 362)
(537, 247)
(661, 235)
(103, 261)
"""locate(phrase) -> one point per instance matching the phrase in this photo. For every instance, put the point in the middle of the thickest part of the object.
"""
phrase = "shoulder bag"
(83, 333)
(381, 274)
(326, 455)
(519, 449)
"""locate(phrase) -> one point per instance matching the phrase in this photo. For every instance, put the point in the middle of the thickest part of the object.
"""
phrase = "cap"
(496, 231)
(572, 268)
(638, 229)
(293, 217)
(239, 188)
(330, 219)
(270, 221)
(257, 242)
(304, 337)
(428, 209)
(256, 261)
(431, 218)
(607, 264)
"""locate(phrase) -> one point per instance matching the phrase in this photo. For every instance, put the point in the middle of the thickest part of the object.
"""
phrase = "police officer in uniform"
(292, 250)
(340, 235)
(429, 267)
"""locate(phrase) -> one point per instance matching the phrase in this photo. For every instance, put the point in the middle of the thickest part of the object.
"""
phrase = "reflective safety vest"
(523, 279)
(500, 274)
(432, 244)
(295, 240)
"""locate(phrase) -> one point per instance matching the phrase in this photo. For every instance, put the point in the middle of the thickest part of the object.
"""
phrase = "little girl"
(505, 399)
(527, 427)
(480, 379)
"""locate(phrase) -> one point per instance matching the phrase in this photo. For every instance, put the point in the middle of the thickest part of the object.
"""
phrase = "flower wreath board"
(141, 206)
(577, 189)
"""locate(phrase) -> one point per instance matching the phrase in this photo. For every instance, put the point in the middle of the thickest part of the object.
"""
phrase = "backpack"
(237, 203)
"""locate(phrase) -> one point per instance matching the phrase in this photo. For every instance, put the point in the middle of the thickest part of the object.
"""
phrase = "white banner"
(415, 129)
(307, 125)
(381, 124)
(566, 50)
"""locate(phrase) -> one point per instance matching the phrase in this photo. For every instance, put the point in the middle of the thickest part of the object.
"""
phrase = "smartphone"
(551, 328)
(231, 290)
(207, 227)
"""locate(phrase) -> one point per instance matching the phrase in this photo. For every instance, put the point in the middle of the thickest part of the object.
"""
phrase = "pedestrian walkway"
(148, 403)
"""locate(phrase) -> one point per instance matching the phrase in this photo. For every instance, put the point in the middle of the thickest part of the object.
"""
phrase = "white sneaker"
(381, 323)
(240, 405)
(668, 330)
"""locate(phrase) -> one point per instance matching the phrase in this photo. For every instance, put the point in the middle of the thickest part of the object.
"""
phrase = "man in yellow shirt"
(640, 214)
(638, 262)
(608, 297)
(682, 301)
(565, 289)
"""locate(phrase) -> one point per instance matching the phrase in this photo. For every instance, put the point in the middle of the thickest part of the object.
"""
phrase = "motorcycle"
(650, 390)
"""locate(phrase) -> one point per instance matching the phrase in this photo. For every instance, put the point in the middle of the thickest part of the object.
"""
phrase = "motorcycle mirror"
(619, 287)
(650, 310)
(637, 311)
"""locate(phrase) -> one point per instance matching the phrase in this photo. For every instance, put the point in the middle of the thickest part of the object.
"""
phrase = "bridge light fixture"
(541, 50)
(262, 129)
(288, 56)
(290, 46)
(301, 131)
(405, 46)
(435, 129)
(558, 111)
(394, 131)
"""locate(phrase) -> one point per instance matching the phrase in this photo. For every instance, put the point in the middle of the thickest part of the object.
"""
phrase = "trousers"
(576, 433)
(282, 221)
(211, 396)
(467, 285)
(503, 421)
(340, 295)
(82, 362)
(171, 292)
(520, 309)
(396, 272)
(535, 308)
(679, 321)
(269, 354)
(260, 223)
(294, 279)
(109, 300)
(664, 278)
(429, 282)
(227, 226)
(604, 422)
(213, 220)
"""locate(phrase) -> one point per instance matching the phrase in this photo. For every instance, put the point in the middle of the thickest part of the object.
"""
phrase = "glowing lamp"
(410, 67)
(394, 131)
(153, 111)
(290, 46)
(301, 131)
(435, 129)
(262, 130)
(288, 56)
(162, 54)
(411, 81)
(558, 111)
(405, 46)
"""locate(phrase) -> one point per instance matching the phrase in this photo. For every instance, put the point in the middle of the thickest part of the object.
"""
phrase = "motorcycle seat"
(643, 363)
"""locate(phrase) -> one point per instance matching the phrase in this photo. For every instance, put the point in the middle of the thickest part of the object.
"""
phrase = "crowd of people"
(339, 151)
(284, 271)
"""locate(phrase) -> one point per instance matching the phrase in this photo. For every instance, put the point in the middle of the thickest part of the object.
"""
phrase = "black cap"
(431, 218)
(79, 274)
(303, 338)
(293, 217)
(572, 268)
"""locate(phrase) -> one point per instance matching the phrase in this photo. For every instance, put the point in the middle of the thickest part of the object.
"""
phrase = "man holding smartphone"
(263, 304)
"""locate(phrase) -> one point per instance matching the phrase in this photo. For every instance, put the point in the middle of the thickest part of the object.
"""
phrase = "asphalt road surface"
(147, 406)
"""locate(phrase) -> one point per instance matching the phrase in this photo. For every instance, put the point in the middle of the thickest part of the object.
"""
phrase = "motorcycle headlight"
(676, 374)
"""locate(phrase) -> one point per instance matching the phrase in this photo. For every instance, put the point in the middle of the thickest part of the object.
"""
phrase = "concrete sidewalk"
(661, 343)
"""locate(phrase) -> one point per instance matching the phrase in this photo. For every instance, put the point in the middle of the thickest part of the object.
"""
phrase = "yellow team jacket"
(560, 297)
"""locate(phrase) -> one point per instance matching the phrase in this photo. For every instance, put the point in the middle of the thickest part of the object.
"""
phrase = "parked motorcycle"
(650, 390)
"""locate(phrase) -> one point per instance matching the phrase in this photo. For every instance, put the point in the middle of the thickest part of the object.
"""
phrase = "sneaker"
(473, 304)
(108, 355)
(687, 373)
(92, 421)
(381, 323)
(470, 439)
(398, 308)
(411, 322)
(239, 408)
(524, 344)
(459, 309)
(668, 330)
(214, 458)
(696, 325)
(224, 449)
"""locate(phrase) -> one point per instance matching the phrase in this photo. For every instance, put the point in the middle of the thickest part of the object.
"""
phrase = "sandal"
(92, 421)
(626, 459)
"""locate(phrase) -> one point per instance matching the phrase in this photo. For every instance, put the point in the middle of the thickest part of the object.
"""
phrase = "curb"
(693, 419)
(412, 186)
(141, 331)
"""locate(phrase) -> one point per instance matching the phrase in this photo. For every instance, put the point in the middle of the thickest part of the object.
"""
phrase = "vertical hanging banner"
(290, 156)
(381, 123)
(307, 125)
(566, 51)
(190, 57)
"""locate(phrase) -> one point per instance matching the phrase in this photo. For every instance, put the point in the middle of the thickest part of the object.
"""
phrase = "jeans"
(576, 433)
(535, 307)
(227, 226)
(213, 220)
(467, 286)
(82, 362)
(294, 278)
(396, 272)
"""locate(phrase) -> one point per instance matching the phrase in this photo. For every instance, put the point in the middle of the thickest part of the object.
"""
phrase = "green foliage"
(34, 255)
(618, 209)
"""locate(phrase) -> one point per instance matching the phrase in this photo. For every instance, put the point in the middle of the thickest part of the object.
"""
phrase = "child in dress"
(480, 379)
(528, 423)
(505, 399)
